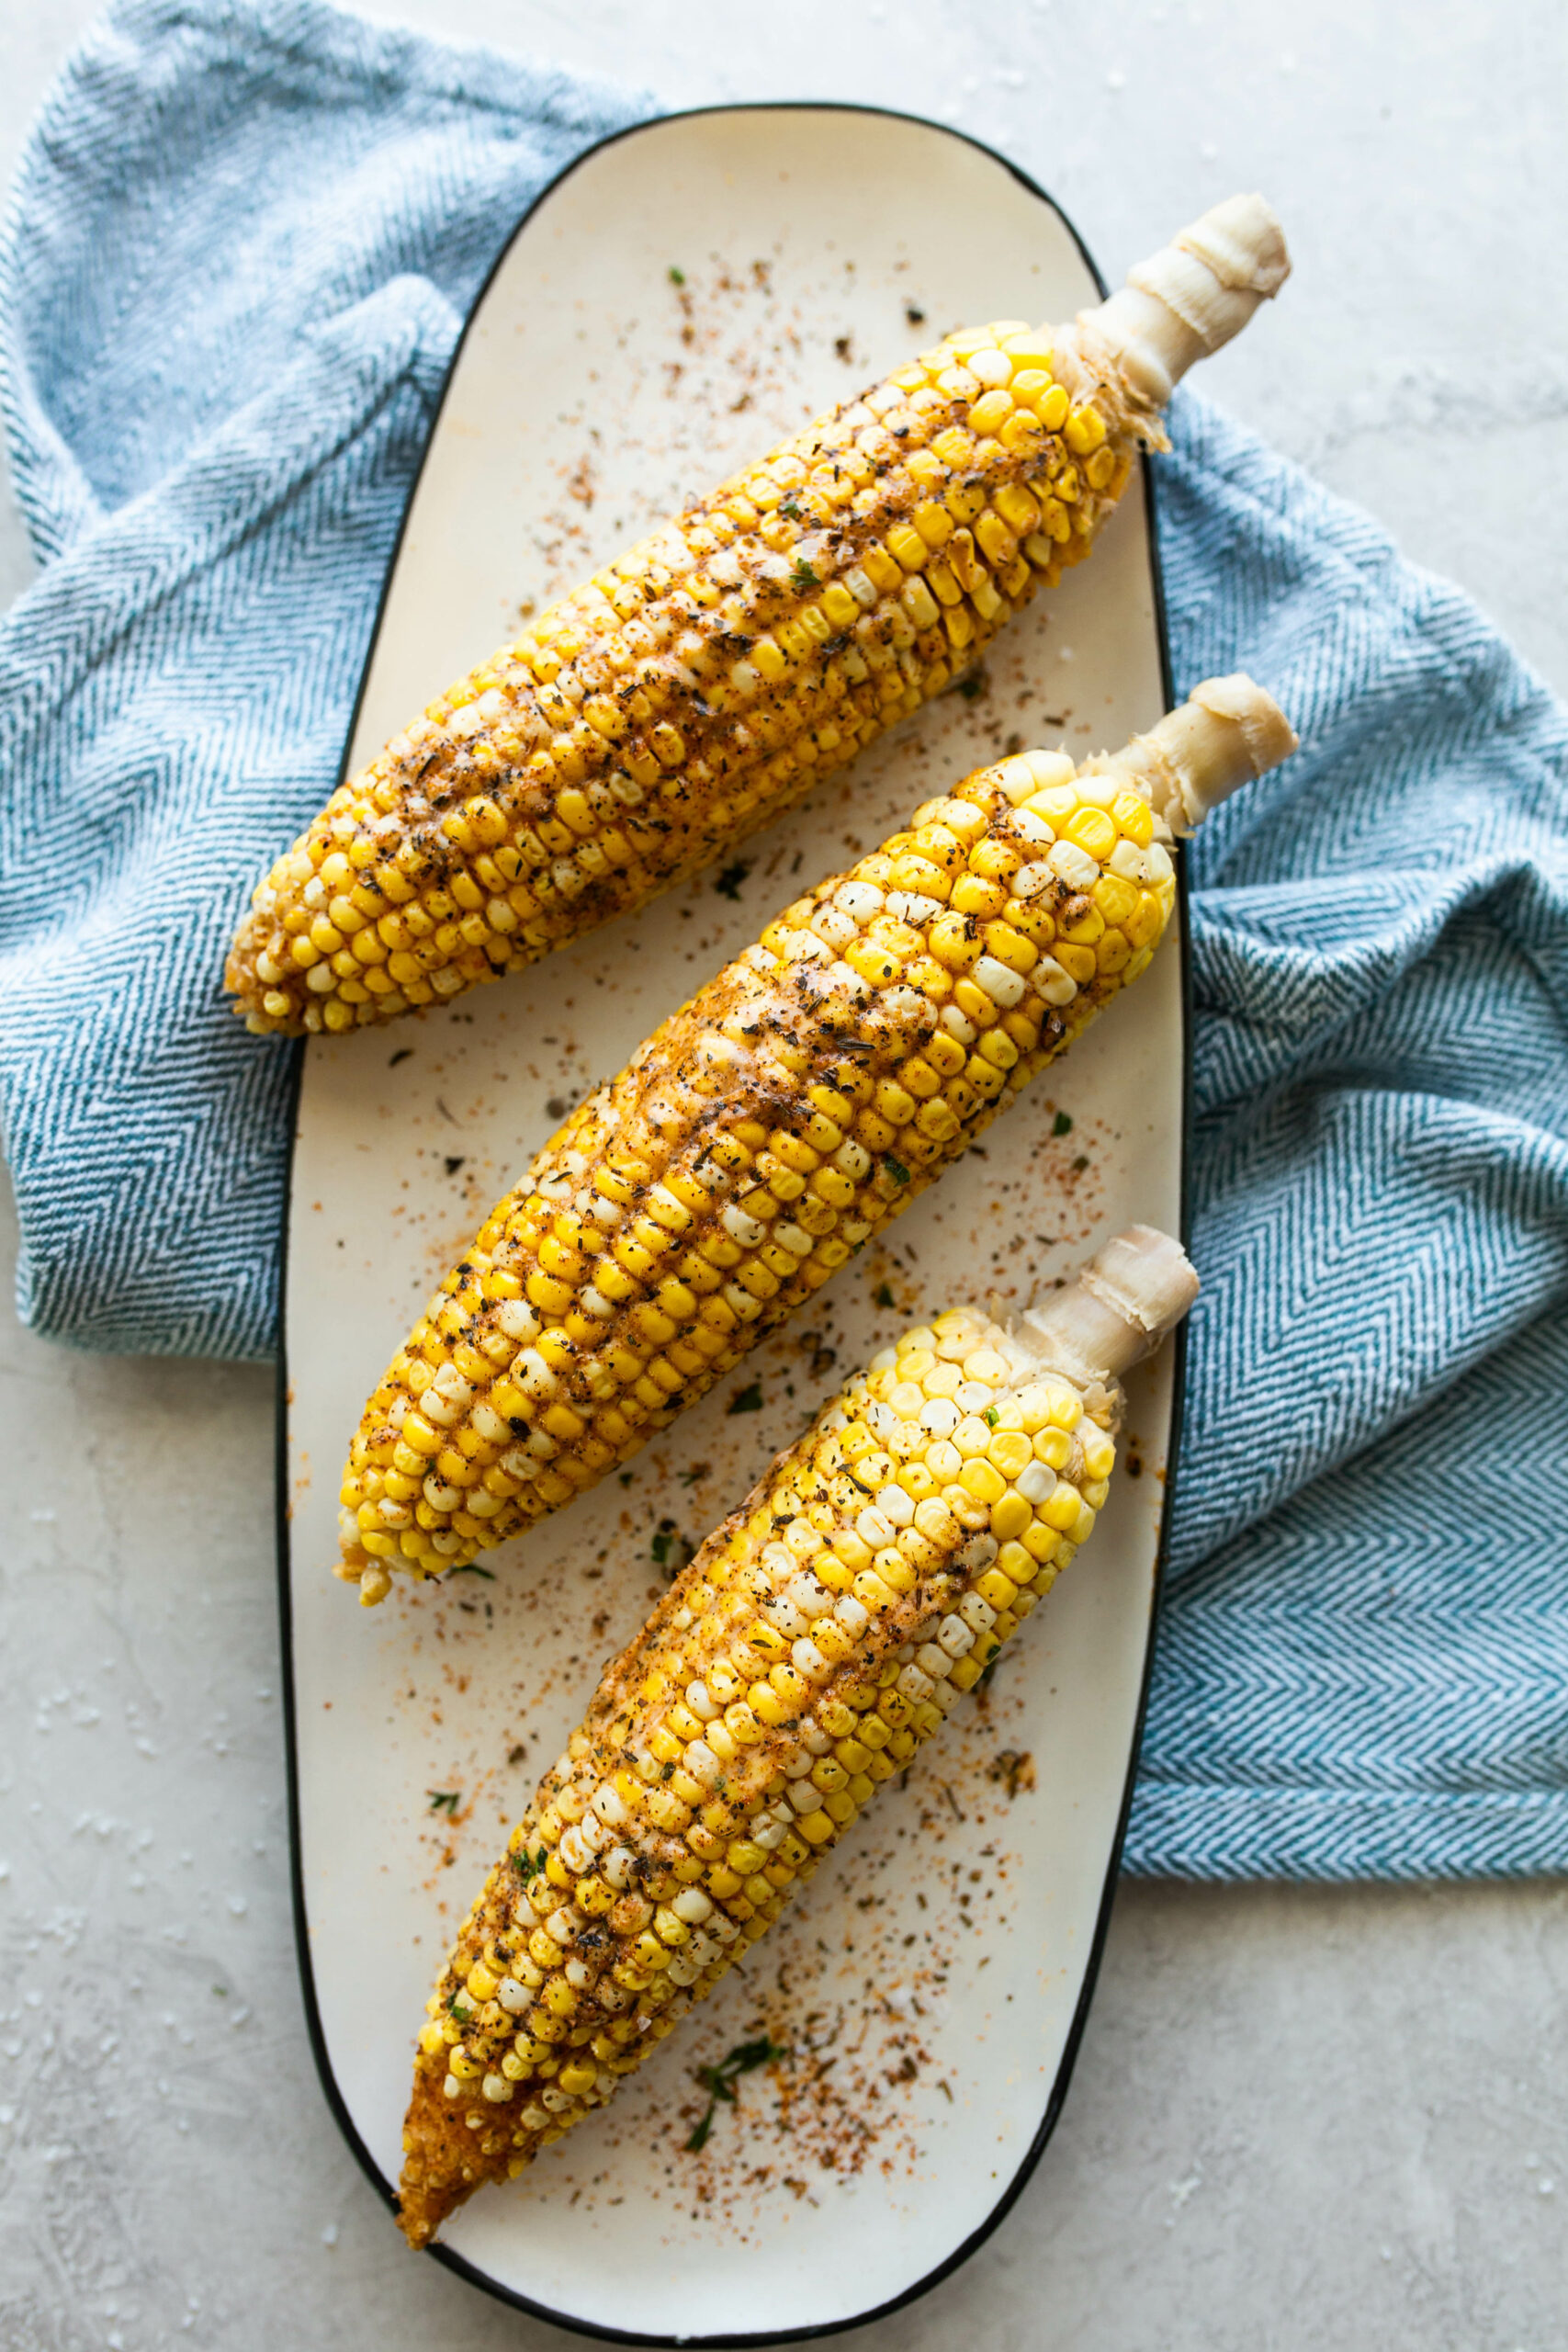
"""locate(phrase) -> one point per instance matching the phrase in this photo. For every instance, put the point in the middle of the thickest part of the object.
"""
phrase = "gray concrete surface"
(1302, 2119)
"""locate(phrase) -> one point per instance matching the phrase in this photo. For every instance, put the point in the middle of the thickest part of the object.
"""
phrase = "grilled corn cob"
(695, 687)
(795, 1105)
(818, 1637)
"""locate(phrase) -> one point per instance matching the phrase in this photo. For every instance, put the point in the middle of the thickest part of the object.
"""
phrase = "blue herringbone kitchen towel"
(242, 241)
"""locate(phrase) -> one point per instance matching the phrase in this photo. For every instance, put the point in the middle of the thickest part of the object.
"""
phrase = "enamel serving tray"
(680, 299)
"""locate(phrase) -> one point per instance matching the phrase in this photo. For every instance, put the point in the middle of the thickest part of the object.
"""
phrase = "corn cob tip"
(1190, 299)
(1125, 1302)
(1228, 732)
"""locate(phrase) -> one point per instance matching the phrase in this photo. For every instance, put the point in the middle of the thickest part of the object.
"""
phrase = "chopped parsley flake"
(719, 2082)
(670, 1549)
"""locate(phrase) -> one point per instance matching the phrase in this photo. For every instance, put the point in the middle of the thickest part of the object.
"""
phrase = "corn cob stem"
(799, 1103)
(699, 685)
(815, 1640)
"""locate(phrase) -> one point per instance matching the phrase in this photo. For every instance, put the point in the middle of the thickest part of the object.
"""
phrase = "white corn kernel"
(1073, 865)
(914, 1684)
(1052, 769)
(896, 1506)
(1130, 861)
(831, 925)
(999, 980)
(592, 1832)
(533, 1374)
(517, 1318)
(913, 908)
(610, 1806)
(1035, 1482)
(574, 1853)
(1056, 985)
(977, 1614)
(955, 1637)
(1015, 778)
(1098, 791)
(1031, 825)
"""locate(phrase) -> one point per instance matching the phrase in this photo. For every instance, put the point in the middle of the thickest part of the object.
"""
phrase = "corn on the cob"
(695, 687)
(795, 1104)
(816, 1639)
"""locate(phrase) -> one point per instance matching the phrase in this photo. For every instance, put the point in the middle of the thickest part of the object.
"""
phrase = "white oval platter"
(931, 1983)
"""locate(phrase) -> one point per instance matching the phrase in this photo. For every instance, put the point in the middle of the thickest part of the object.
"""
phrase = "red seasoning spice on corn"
(815, 1640)
(695, 687)
(773, 1124)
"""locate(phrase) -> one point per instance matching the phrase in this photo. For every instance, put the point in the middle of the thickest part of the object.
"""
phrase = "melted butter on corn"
(815, 1640)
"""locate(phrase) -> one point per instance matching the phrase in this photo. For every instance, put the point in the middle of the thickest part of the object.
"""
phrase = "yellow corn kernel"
(1093, 832)
(1084, 431)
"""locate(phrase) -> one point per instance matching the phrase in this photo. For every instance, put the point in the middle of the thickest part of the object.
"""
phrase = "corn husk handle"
(817, 1639)
(1184, 302)
(1228, 732)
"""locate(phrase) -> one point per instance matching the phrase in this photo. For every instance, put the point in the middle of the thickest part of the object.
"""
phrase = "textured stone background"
(1300, 2119)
